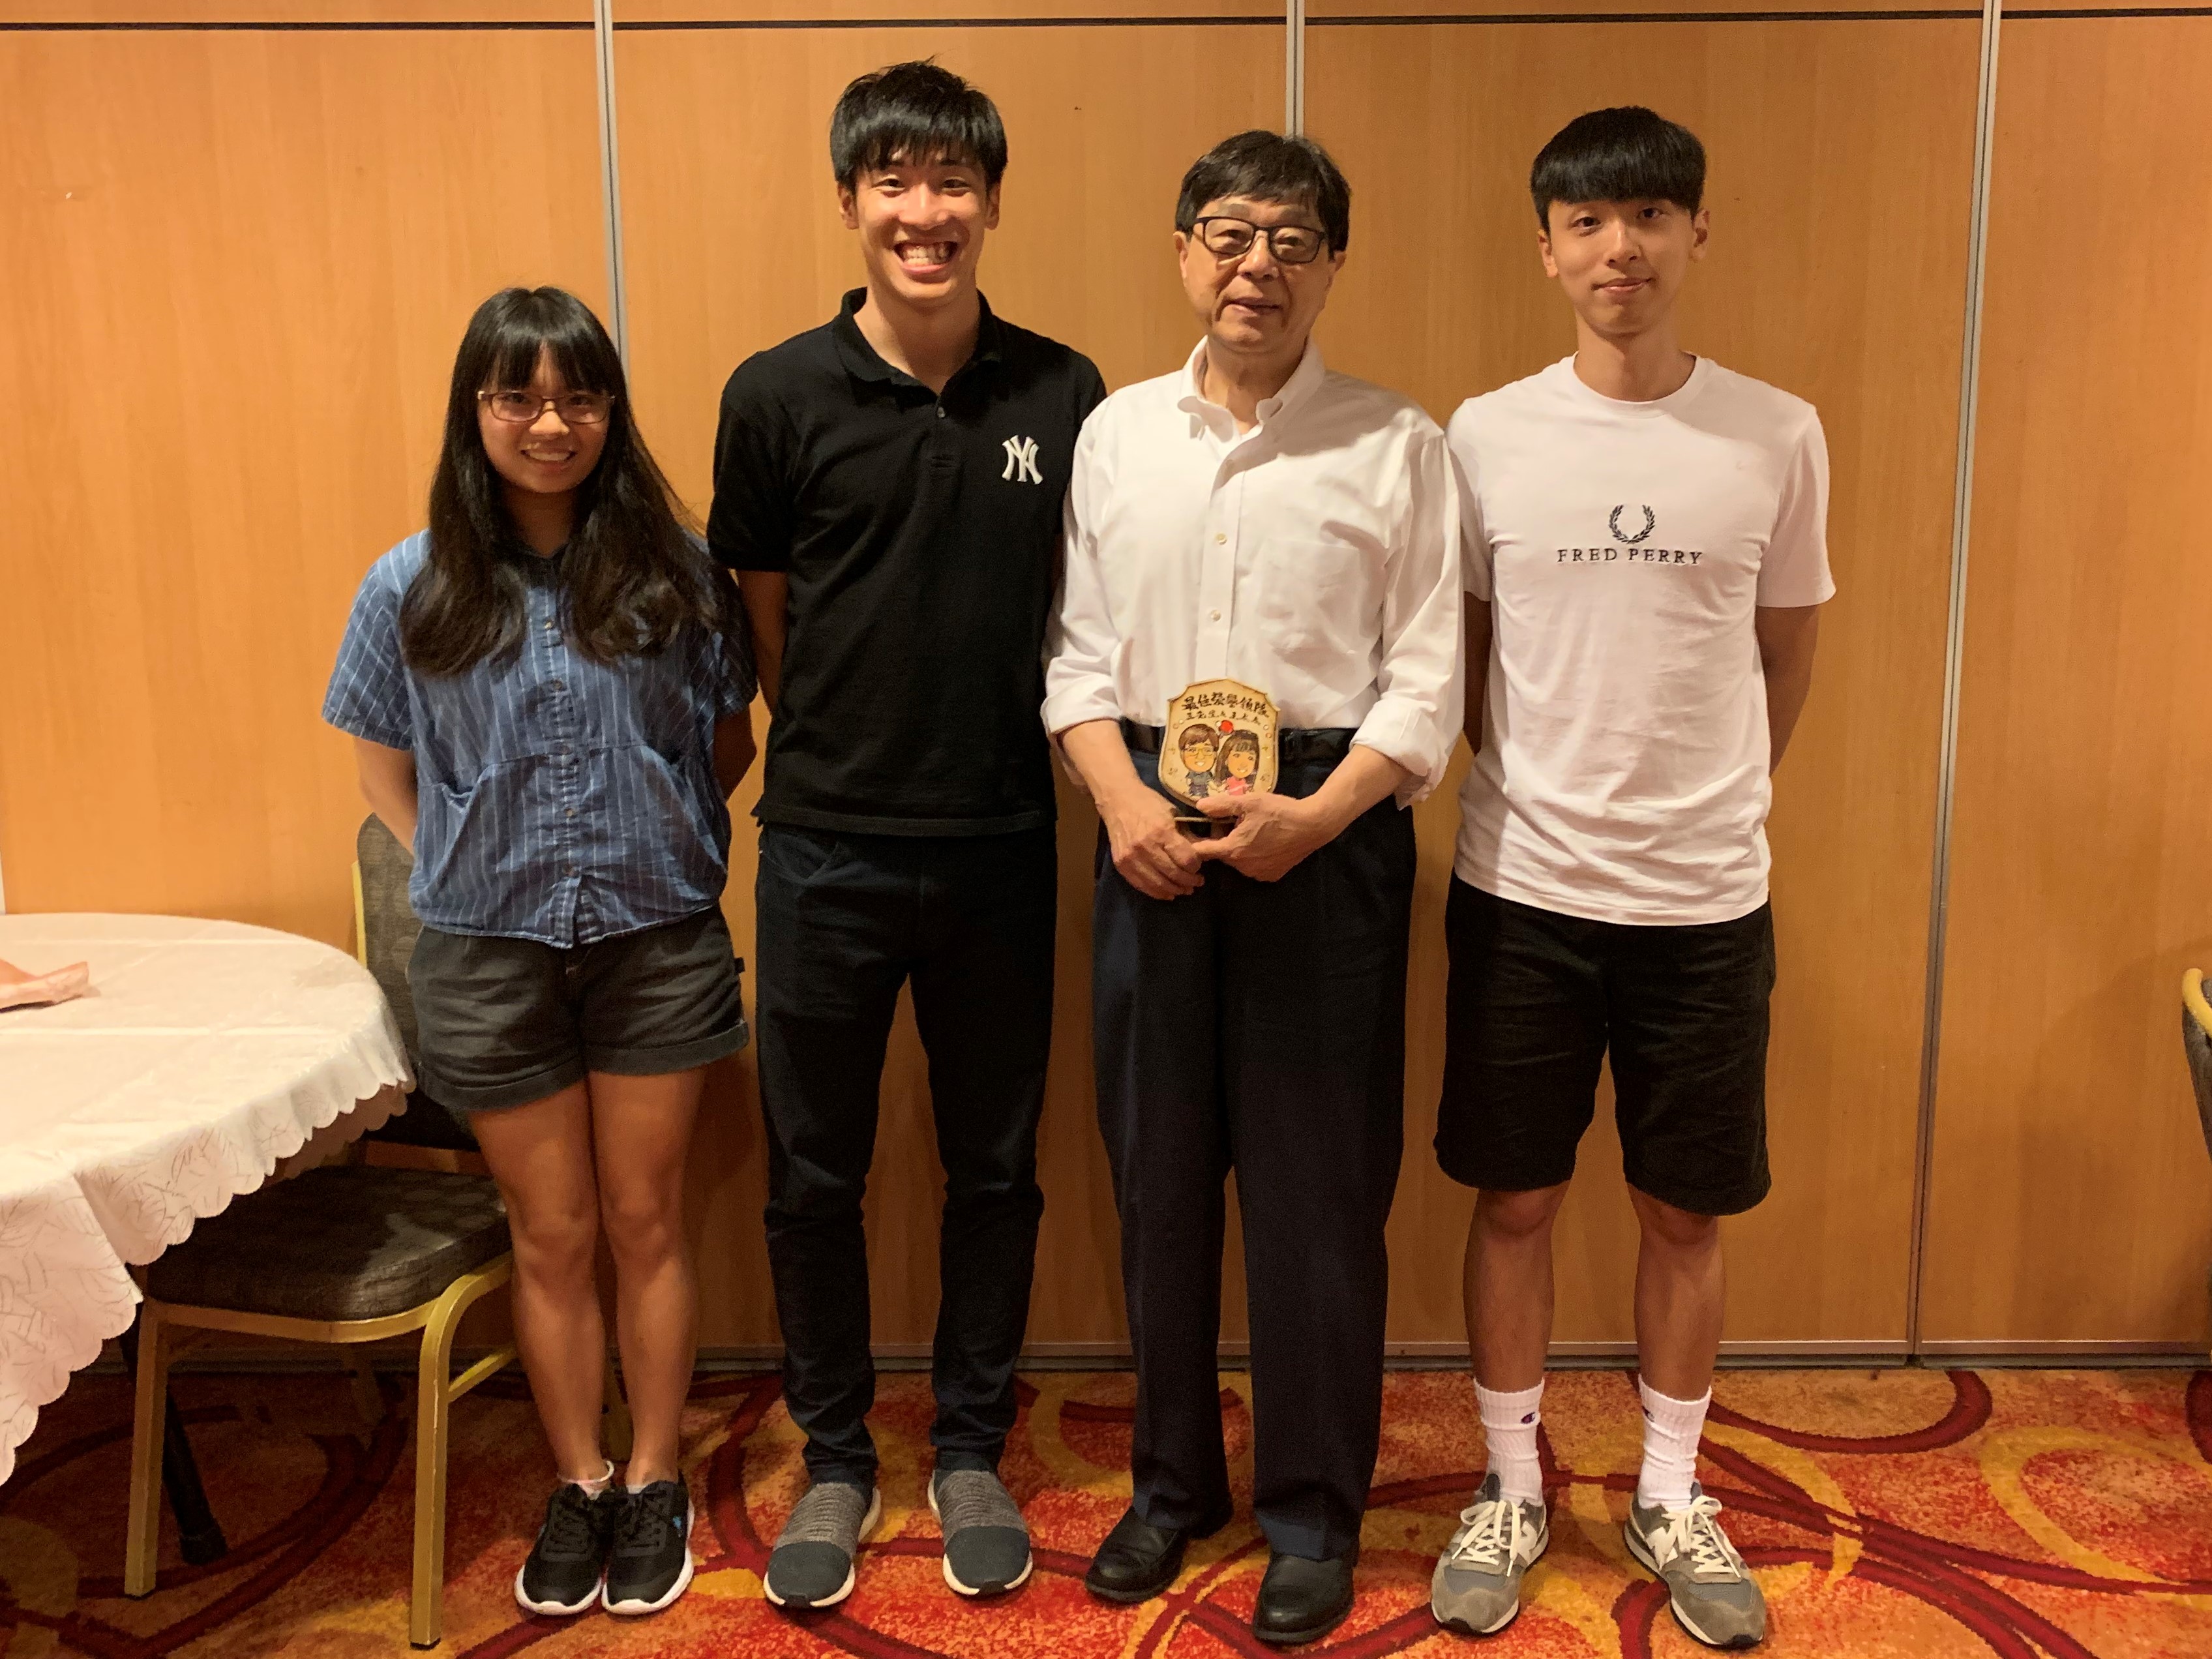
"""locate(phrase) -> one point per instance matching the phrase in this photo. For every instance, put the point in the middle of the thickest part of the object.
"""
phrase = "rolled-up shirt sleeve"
(1081, 640)
(1418, 703)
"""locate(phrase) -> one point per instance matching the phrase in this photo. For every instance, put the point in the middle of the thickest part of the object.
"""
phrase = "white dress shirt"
(1315, 557)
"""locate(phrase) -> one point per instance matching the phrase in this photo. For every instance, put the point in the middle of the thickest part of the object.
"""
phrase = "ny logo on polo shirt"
(1021, 461)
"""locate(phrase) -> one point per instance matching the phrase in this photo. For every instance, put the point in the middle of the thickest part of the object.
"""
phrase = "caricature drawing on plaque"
(1220, 741)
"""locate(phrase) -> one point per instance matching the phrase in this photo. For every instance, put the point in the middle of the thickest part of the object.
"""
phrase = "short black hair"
(918, 112)
(1625, 155)
(1270, 167)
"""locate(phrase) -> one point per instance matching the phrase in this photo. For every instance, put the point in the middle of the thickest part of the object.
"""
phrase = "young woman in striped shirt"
(548, 692)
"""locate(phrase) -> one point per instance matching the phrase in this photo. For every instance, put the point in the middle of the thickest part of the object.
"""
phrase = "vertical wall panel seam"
(603, 50)
(1294, 65)
(1954, 658)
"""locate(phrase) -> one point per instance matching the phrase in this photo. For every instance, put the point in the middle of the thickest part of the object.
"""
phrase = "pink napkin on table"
(20, 990)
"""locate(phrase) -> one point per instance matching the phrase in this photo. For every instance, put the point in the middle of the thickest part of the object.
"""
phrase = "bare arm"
(1151, 850)
(388, 783)
(1478, 669)
(733, 749)
(768, 600)
(1788, 635)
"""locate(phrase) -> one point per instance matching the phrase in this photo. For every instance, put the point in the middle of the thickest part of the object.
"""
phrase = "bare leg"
(1681, 1291)
(541, 1156)
(1508, 1285)
(643, 1126)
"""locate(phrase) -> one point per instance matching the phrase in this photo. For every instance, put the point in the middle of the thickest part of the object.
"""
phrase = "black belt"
(1295, 746)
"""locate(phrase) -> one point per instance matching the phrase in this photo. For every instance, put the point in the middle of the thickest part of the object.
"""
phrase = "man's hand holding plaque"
(1150, 844)
(1268, 835)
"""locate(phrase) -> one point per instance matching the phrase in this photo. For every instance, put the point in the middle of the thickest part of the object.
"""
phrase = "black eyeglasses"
(1227, 238)
(522, 408)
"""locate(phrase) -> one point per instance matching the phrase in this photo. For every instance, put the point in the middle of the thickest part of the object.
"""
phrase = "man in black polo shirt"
(889, 488)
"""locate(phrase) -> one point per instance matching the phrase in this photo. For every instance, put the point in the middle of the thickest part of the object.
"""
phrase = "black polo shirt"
(921, 535)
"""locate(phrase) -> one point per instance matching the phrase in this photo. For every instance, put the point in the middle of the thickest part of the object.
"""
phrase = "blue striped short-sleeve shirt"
(560, 799)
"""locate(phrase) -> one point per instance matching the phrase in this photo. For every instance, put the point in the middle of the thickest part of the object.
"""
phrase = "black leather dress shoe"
(1137, 1561)
(1301, 1600)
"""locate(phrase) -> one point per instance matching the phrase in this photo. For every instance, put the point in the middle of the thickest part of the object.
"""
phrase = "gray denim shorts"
(502, 1022)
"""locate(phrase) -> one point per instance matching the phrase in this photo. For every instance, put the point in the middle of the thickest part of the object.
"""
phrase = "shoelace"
(972, 1497)
(1694, 1532)
(831, 1513)
(644, 1520)
(1492, 1536)
(570, 1529)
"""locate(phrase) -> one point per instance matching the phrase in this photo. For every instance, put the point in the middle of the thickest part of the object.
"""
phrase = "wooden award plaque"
(1220, 740)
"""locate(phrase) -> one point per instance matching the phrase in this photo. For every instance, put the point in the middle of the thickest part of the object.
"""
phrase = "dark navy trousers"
(1259, 1027)
(845, 921)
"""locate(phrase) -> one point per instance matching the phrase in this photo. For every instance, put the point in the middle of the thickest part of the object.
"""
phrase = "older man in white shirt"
(1253, 516)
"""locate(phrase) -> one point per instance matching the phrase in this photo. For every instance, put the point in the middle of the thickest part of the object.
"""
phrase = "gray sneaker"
(1476, 1589)
(812, 1564)
(1714, 1595)
(986, 1542)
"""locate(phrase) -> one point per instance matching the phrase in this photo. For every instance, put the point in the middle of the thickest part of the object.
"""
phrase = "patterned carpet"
(1901, 1513)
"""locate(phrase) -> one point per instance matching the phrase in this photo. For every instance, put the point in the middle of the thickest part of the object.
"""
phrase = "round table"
(208, 1057)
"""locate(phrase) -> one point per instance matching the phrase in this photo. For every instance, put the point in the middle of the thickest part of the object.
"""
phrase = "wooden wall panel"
(1603, 13)
(1841, 163)
(445, 15)
(2070, 1200)
(733, 243)
(740, 15)
(238, 268)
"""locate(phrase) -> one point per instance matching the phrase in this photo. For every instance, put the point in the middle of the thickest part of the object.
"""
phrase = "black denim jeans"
(845, 920)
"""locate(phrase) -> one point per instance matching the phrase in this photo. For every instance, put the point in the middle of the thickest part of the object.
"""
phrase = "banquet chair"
(349, 1254)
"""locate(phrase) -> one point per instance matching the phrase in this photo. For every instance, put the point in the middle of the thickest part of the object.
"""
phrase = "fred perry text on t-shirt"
(1630, 555)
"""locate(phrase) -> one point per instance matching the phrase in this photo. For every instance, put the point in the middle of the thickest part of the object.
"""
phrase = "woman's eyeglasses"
(523, 407)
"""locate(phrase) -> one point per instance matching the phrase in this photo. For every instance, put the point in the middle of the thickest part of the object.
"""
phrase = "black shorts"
(501, 1021)
(1535, 1001)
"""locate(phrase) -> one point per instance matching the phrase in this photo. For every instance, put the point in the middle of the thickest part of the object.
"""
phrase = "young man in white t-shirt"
(1646, 557)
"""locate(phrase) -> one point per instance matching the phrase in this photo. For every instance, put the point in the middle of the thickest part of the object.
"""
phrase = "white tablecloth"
(208, 1054)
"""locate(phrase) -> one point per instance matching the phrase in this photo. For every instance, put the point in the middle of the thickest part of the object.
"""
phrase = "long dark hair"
(632, 577)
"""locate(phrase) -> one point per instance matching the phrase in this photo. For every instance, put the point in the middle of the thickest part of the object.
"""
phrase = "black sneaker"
(651, 1563)
(570, 1556)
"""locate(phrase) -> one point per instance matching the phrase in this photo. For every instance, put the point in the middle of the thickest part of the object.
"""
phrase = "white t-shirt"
(1623, 548)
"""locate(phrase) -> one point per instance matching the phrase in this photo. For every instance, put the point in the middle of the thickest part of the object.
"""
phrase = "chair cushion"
(347, 1243)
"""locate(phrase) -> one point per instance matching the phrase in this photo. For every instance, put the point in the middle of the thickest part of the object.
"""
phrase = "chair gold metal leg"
(149, 1424)
(427, 1602)
(617, 1427)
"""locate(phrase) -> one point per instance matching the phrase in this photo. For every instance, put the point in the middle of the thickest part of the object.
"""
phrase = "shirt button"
(1218, 537)
(558, 686)
(570, 813)
(549, 628)
(572, 869)
(1214, 615)
(940, 412)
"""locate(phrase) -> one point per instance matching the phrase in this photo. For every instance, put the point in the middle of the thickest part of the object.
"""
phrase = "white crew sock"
(1509, 1422)
(1671, 1428)
(594, 1487)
